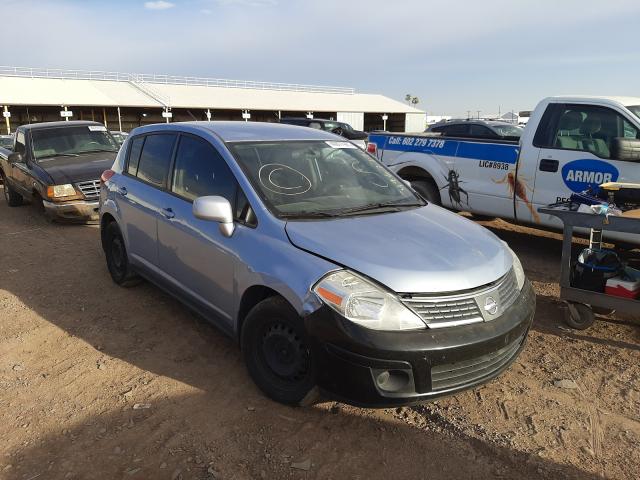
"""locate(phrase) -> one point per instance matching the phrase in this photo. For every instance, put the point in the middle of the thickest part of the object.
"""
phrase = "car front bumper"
(380, 369)
(81, 211)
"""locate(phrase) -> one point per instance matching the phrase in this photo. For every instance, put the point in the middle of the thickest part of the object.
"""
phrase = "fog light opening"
(393, 380)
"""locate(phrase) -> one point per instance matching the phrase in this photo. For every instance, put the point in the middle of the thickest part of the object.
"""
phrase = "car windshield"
(508, 130)
(71, 141)
(317, 178)
(635, 110)
(6, 142)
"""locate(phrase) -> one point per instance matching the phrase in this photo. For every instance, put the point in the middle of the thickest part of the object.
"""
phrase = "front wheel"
(276, 350)
(117, 258)
(13, 198)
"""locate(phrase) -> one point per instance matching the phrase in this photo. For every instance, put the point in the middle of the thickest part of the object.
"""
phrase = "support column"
(104, 115)
(7, 117)
(119, 120)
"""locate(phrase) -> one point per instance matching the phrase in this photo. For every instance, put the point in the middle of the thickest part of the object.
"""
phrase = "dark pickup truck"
(57, 166)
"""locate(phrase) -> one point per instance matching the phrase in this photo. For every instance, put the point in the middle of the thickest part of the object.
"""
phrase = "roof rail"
(29, 72)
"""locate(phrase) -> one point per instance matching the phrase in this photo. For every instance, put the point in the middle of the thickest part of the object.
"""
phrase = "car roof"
(70, 123)
(310, 119)
(238, 131)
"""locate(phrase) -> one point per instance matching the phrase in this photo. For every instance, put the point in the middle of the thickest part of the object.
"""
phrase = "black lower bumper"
(380, 369)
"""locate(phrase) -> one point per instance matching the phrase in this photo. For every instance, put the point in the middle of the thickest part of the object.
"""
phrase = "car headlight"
(517, 268)
(364, 303)
(58, 191)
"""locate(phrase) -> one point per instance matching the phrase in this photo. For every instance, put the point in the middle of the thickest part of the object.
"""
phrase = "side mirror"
(15, 158)
(215, 209)
(626, 149)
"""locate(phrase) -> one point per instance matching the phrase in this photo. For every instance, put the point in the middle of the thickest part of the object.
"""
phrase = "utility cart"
(581, 303)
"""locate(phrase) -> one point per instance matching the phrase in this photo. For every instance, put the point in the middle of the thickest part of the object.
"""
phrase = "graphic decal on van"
(579, 175)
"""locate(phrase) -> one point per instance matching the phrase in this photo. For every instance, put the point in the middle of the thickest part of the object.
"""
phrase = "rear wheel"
(428, 190)
(277, 353)
(13, 198)
(117, 258)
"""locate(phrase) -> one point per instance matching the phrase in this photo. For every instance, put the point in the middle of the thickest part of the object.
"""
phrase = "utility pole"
(478, 114)
(468, 114)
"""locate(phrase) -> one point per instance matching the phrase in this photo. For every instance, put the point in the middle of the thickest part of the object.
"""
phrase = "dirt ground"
(97, 381)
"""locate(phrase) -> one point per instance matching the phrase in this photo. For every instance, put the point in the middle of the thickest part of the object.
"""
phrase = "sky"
(455, 56)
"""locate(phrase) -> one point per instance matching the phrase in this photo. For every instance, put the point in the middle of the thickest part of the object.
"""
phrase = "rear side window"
(201, 171)
(480, 131)
(460, 130)
(134, 155)
(155, 159)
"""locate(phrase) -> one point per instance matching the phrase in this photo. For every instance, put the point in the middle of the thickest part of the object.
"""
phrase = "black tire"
(117, 258)
(13, 198)
(428, 190)
(276, 350)
(579, 316)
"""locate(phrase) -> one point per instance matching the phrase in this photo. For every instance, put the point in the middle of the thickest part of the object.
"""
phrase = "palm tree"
(408, 97)
(415, 101)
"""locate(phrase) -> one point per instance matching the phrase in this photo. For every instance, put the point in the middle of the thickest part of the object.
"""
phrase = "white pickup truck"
(569, 144)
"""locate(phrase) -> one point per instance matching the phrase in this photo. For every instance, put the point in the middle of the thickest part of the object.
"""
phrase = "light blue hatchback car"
(335, 277)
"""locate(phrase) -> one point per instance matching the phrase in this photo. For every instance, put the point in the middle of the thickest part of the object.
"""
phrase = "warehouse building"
(123, 101)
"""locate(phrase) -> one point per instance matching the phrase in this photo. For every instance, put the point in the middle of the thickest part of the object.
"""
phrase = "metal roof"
(23, 86)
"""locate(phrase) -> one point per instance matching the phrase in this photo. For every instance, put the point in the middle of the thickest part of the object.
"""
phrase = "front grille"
(446, 312)
(508, 290)
(461, 373)
(90, 189)
(465, 308)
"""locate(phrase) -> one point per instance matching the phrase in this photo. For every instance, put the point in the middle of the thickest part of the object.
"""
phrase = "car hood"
(424, 250)
(84, 167)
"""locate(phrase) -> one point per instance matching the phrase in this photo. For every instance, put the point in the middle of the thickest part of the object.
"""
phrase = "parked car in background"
(339, 128)
(333, 274)
(487, 129)
(6, 141)
(119, 136)
(57, 166)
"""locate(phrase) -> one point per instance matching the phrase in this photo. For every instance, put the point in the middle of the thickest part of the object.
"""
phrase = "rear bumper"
(381, 369)
(81, 211)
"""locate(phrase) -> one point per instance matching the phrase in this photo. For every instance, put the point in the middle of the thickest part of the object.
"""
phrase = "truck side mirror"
(626, 149)
(15, 157)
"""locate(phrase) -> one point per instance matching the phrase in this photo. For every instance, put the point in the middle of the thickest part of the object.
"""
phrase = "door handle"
(549, 165)
(168, 213)
(122, 190)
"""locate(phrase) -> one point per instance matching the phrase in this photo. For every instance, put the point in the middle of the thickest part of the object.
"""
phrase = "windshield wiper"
(389, 206)
(308, 214)
(100, 150)
(51, 155)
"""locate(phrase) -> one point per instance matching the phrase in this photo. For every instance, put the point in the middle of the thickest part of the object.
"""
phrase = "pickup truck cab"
(57, 166)
(568, 145)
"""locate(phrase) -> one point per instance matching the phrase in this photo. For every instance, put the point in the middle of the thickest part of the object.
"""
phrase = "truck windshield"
(71, 141)
(635, 110)
(321, 179)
